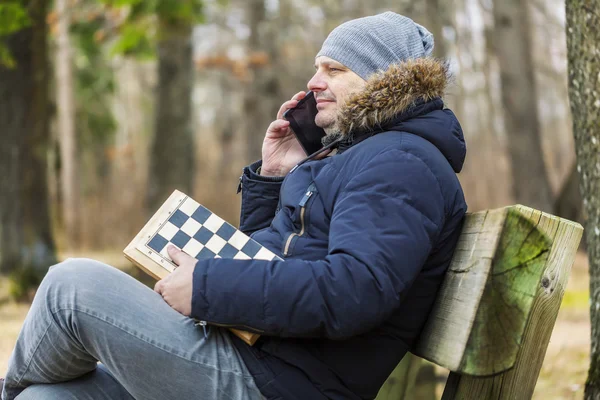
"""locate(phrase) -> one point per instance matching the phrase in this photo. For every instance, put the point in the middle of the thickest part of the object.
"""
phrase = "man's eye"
(335, 69)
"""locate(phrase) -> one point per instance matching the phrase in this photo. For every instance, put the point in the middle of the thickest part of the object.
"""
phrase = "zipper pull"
(203, 325)
(239, 188)
(308, 194)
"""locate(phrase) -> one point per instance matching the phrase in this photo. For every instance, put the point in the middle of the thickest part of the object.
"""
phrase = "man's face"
(332, 84)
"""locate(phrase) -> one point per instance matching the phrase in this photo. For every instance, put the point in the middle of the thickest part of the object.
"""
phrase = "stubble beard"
(332, 133)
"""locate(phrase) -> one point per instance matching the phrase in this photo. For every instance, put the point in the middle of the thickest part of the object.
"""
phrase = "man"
(366, 234)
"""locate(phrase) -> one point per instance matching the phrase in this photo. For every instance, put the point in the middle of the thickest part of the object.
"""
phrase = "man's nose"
(317, 83)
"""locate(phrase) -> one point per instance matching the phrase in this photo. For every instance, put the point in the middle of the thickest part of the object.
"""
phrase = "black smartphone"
(302, 122)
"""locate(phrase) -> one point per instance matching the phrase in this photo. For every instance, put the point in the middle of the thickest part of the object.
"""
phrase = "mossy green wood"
(498, 303)
(508, 295)
(478, 320)
(519, 381)
(446, 334)
(413, 378)
(401, 382)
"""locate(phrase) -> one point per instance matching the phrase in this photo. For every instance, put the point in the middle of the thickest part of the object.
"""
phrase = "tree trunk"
(568, 202)
(439, 17)
(26, 244)
(172, 149)
(513, 47)
(583, 36)
(262, 95)
(69, 179)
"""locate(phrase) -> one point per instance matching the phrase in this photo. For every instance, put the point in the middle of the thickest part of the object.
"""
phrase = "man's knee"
(76, 273)
(75, 282)
(78, 267)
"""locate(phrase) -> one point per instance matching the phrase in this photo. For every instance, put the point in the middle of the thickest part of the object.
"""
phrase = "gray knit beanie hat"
(370, 44)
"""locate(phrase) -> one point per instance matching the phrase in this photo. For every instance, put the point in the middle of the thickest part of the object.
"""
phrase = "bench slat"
(446, 334)
(519, 382)
(484, 309)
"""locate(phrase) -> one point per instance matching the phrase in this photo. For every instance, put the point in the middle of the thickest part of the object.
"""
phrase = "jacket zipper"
(311, 190)
(239, 188)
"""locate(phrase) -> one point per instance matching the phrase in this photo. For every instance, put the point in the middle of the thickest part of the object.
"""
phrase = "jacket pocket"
(291, 238)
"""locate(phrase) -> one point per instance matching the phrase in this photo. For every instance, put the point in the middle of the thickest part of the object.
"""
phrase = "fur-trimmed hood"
(406, 97)
(390, 93)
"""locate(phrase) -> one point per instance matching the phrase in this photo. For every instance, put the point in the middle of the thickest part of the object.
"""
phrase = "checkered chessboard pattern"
(202, 234)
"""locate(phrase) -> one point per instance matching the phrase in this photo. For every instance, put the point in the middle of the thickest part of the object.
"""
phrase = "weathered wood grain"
(446, 334)
(507, 298)
(548, 287)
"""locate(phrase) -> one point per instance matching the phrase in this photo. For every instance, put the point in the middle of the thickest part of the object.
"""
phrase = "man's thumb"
(175, 254)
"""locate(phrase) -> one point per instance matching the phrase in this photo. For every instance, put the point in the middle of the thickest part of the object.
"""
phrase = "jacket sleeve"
(260, 196)
(383, 227)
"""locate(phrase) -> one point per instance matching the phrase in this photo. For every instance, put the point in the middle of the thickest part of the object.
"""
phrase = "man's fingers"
(159, 287)
(290, 104)
(299, 95)
(180, 257)
(286, 106)
(176, 255)
(278, 126)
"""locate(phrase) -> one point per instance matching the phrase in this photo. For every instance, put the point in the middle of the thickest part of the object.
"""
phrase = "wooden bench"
(493, 317)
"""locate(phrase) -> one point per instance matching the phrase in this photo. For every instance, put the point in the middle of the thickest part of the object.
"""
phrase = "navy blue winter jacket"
(366, 234)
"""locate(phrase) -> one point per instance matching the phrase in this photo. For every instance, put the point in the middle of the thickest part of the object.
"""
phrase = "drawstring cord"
(316, 153)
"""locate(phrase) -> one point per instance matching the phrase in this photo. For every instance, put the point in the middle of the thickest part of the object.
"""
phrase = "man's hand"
(176, 288)
(281, 150)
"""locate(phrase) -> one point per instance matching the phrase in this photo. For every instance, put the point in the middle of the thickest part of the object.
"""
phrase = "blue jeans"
(87, 312)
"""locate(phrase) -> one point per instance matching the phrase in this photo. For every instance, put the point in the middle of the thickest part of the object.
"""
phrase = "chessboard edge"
(145, 263)
(157, 271)
(133, 254)
(248, 337)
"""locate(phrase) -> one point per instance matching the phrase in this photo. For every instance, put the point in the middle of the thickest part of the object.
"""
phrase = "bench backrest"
(494, 314)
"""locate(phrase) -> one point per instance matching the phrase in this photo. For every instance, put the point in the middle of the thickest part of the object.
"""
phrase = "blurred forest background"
(126, 100)
(148, 97)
